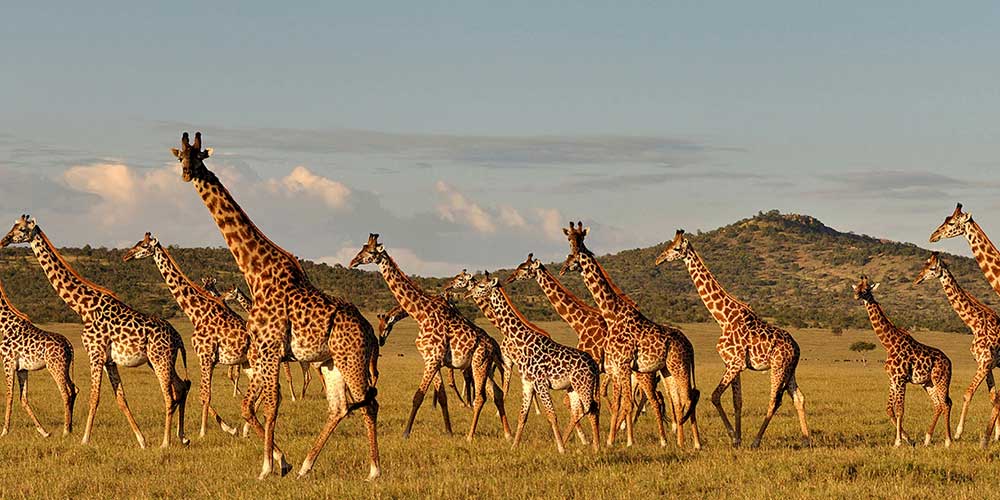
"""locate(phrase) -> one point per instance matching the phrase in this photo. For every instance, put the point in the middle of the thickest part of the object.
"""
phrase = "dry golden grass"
(852, 455)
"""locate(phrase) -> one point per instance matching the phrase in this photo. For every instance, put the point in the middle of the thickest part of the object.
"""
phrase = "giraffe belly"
(130, 357)
(30, 364)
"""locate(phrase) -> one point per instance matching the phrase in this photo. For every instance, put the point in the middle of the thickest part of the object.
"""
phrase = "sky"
(468, 134)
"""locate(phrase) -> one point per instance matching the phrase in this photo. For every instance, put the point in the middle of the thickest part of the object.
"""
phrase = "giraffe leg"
(441, 394)
(779, 380)
(498, 401)
(119, 391)
(287, 368)
(22, 383)
(96, 376)
(480, 374)
(205, 394)
(9, 375)
(450, 382)
(937, 405)
(993, 425)
(896, 406)
(306, 378)
(234, 377)
(616, 404)
(337, 401)
(800, 408)
(646, 385)
(977, 379)
(527, 394)
(252, 399)
(270, 400)
(994, 400)
(550, 413)
(59, 369)
(430, 371)
(676, 407)
(731, 377)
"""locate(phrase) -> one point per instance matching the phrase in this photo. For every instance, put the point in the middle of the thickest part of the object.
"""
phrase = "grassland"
(852, 455)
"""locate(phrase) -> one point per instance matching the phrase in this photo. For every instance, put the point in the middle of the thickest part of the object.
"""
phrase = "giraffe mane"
(618, 291)
(521, 317)
(17, 312)
(197, 288)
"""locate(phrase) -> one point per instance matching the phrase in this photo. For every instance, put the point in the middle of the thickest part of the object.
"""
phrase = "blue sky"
(466, 134)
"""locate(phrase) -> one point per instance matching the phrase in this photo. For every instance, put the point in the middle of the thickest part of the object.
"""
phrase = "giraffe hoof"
(374, 473)
(755, 445)
(285, 468)
(185, 441)
(406, 434)
(984, 443)
(43, 433)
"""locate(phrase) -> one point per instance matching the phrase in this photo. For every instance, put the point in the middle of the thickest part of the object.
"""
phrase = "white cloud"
(551, 221)
(301, 181)
(114, 182)
(405, 258)
(124, 191)
(510, 217)
(456, 207)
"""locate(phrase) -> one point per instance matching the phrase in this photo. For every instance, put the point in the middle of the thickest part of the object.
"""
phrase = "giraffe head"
(677, 249)
(954, 225)
(145, 248)
(232, 294)
(371, 253)
(25, 229)
(527, 270)
(385, 323)
(575, 234)
(483, 287)
(462, 281)
(863, 290)
(210, 285)
(933, 268)
(192, 157)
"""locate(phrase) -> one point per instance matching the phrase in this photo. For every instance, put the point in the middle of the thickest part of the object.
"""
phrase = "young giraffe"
(960, 223)
(585, 320)
(637, 344)
(446, 339)
(985, 325)
(387, 320)
(235, 294)
(543, 364)
(210, 285)
(908, 361)
(747, 342)
(24, 347)
(290, 314)
(113, 334)
(220, 335)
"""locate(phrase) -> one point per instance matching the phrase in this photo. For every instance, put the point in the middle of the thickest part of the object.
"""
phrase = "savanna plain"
(852, 453)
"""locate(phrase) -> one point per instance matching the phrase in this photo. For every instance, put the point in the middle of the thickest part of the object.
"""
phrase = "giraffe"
(446, 339)
(24, 347)
(235, 294)
(909, 361)
(986, 253)
(290, 314)
(747, 342)
(388, 319)
(985, 325)
(210, 285)
(113, 334)
(220, 335)
(637, 344)
(584, 319)
(543, 364)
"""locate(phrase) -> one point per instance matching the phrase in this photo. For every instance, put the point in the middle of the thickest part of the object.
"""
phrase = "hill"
(791, 268)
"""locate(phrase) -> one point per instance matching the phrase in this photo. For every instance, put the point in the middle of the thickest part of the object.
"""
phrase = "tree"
(862, 347)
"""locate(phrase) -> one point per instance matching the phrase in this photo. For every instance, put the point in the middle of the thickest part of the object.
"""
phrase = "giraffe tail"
(184, 361)
(369, 399)
(694, 395)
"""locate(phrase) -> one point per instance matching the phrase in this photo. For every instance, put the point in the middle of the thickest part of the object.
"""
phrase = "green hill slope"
(791, 268)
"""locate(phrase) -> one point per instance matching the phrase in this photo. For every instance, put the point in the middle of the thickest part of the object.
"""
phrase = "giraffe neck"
(610, 303)
(9, 313)
(407, 293)
(189, 296)
(253, 251)
(986, 253)
(509, 320)
(483, 303)
(79, 293)
(886, 332)
(722, 306)
(565, 303)
(964, 304)
(243, 300)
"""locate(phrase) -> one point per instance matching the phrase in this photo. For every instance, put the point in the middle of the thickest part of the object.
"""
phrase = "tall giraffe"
(290, 314)
(986, 253)
(24, 347)
(908, 361)
(747, 342)
(637, 344)
(447, 339)
(113, 334)
(220, 335)
(985, 325)
(543, 364)
(235, 294)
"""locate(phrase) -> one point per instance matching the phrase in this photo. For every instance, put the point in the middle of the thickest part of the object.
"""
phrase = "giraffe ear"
(875, 286)
(176, 152)
(379, 248)
(206, 153)
(586, 230)
(494, 282)
(566, 231)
